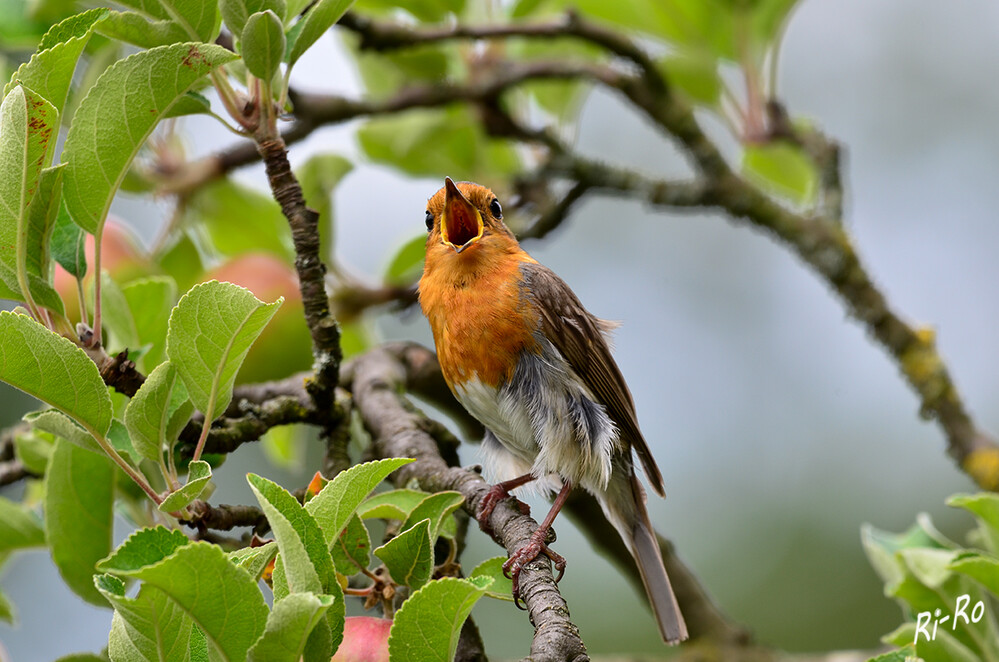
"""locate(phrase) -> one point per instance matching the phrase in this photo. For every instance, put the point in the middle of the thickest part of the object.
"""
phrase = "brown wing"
(577, 335)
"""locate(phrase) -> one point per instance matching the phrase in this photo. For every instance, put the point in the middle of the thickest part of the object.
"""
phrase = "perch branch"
(397, 432)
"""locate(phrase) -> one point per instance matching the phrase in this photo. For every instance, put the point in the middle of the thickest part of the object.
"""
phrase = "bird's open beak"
(461, 222)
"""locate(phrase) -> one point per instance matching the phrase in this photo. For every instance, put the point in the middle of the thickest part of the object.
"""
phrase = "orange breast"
(480, 321)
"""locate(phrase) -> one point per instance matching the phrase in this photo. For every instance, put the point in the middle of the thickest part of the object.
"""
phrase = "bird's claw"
(524, 555)
(489, 502)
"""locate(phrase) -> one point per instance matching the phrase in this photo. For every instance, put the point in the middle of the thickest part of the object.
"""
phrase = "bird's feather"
(579, 337)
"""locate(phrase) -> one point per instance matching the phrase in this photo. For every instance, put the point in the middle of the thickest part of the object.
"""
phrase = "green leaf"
(783, 170)
(145, 547)
(981, 568)
(502, 587)
(985, 506)
(117, 316)
(147, 628)
(19, 527)
(49, 72)
(697, 25)
(210, 332)
(407, 265)
(393, 504)
(200, 19)
(304, 554)
(41, 217)
(351, 551)
(284, 446)
(148, 413)
(222, 599)
(235, 12)
(386, 73)
(150, 301)
(768, 18)
(34, 451)
(695, 76)
(8, 613)
(182, 261)
(562, 99)
(436, 508)
(317, 20)
(429, 623)
(943, 648)
(134, 28)
(262, 45)
(68, 243)
(30, 127)
(56, 423)
(409, 556)
(289, 626)
(428, 11)
(319, 176)
(191, 103)
(240, 220)
(79, 495)
(71, 28)
(306, 558)
(106, 133)
(54, 370)
(335, 503)
(254, 559)
(929, 566)
(438, 142)
(906, 654)
(118, 437)
(198, 475)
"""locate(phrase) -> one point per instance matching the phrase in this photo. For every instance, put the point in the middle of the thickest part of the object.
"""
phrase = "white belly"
(546, 424)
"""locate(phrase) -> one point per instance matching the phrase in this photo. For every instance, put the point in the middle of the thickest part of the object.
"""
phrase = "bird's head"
(465, 220)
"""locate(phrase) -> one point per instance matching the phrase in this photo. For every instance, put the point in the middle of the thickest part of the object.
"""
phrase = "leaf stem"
(97, 288)
(206, 426)
(228, 96)
(82, 301)
(168, 476)
(133, 473)
(201, 440)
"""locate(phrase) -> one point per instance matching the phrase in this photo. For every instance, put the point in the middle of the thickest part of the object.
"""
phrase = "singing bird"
(523, 356)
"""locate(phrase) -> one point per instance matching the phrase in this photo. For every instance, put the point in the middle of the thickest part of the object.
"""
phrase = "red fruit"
(365, 639)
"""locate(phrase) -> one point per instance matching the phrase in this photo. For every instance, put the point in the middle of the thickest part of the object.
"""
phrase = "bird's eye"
(430, 220)
(496, 209)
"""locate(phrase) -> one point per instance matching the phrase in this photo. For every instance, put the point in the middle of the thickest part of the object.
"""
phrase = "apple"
(365, 639)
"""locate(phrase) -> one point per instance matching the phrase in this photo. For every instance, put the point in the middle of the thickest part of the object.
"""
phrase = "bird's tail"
(624, 505)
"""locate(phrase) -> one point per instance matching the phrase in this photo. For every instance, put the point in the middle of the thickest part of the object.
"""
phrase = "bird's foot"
(496, 493)
(534, 548)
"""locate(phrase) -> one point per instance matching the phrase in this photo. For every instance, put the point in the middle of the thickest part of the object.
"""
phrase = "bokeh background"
(779, 426)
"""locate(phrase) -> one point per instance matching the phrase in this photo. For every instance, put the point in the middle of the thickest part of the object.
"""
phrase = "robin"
(523, 356)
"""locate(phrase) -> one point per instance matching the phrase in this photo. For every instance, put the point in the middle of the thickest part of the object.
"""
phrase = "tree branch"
(225, 517)
(228, 434)
(397, 432)
(12, 471)
(386, 36)
(304, 223)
